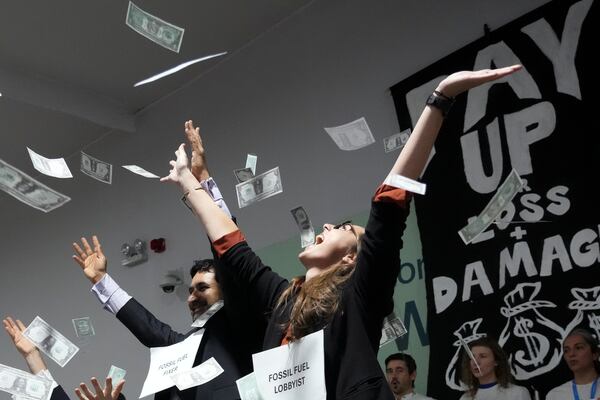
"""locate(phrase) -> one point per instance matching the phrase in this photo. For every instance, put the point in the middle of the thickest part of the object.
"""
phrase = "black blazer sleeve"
(258, 284)
(59, 394)
(378, 264)
(146, 327)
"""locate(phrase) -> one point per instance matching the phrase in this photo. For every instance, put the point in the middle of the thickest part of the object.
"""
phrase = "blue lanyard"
(592, 390)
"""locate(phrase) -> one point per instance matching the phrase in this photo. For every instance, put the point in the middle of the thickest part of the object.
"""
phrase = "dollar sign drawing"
(536, 344)
(532, 342)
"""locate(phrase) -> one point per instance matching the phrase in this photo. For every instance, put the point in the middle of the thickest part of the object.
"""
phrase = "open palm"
(15, 330)
(93, 262)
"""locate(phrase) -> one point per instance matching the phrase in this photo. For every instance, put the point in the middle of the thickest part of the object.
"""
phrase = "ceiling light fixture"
(176, 69)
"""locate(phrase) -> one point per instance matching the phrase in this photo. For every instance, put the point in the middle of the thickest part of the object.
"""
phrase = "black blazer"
(351, 338)
(221, 340)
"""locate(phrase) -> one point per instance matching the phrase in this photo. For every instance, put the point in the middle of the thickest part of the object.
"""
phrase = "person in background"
(580, 352)
(488, 377)
(401, 372)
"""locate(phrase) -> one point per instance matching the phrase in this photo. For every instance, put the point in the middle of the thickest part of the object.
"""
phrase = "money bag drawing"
(587, 304)
(532, 342)
(468, 333)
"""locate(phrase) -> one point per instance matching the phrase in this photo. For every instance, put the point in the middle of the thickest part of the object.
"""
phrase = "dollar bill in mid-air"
(243, 174)
(248, 388)
(28, 190)
(503, 196)
(259, 188)
(50, 341)
(393, 328)
(199, 375)
(307, 232)
(396, 141)
(97, 169)
(351, 136)
(117, 374)
(22, 384)
(159, 31)
(55, 167)
(83, 327)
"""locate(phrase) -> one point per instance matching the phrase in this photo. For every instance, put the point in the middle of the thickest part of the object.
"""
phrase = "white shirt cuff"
(210, 186)
(110, 294)
(47, 375)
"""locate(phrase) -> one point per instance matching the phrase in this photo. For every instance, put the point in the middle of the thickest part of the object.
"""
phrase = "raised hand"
(199, 168)
(106, 393)
(179, 167)
(92, 262)
(462, 81)
(30, 353)
(15, 330)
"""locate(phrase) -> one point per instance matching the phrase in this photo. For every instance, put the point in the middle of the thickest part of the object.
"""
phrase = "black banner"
(532, 275)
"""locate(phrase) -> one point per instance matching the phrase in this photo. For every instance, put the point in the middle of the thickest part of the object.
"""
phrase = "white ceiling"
(67, 67)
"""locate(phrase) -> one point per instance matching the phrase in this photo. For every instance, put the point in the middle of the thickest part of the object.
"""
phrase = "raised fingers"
(79, 395)
(97, 246)
(97, 387)
(86, 247)
(86, 391)
(108, 388)
(117, 391)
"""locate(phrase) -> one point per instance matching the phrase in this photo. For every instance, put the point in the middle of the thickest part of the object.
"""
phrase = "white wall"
(329, 64)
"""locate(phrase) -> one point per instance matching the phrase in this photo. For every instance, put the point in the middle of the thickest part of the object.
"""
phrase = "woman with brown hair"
(487, 375)
(581, 352)
(350, 271)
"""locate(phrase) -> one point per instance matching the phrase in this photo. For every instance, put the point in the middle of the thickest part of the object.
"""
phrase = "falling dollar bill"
(199, 375)
(405, 183)
(117, 374)
(243, 174)
(248, 388)
(396, 141)
(50, 341)
(351, 136)
(160, 32)
(97, 169)
(23, 384)
(83, 327)
(392, 329)
(503, 196)
(203, 319)
(140, 171)
(55, 167)
(251, 160)
(29, 191)
(307, 233)
(259, 188)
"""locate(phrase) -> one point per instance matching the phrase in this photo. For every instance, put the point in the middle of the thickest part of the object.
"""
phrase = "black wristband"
(440, 101)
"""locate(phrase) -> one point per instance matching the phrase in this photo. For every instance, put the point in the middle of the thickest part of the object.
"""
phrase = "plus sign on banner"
(530, 276)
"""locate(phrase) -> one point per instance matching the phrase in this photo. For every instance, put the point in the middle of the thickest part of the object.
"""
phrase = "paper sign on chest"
(169, 360)
(292, 372)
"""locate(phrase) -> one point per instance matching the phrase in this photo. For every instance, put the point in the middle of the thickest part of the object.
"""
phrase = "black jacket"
(351, 339)
(221, 340)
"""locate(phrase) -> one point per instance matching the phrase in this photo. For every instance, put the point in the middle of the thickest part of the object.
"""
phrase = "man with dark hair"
(401, 372)
(220, 337)
(228, 335)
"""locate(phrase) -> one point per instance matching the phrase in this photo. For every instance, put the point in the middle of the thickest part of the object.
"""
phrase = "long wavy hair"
(502, 370)
(317, 300)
